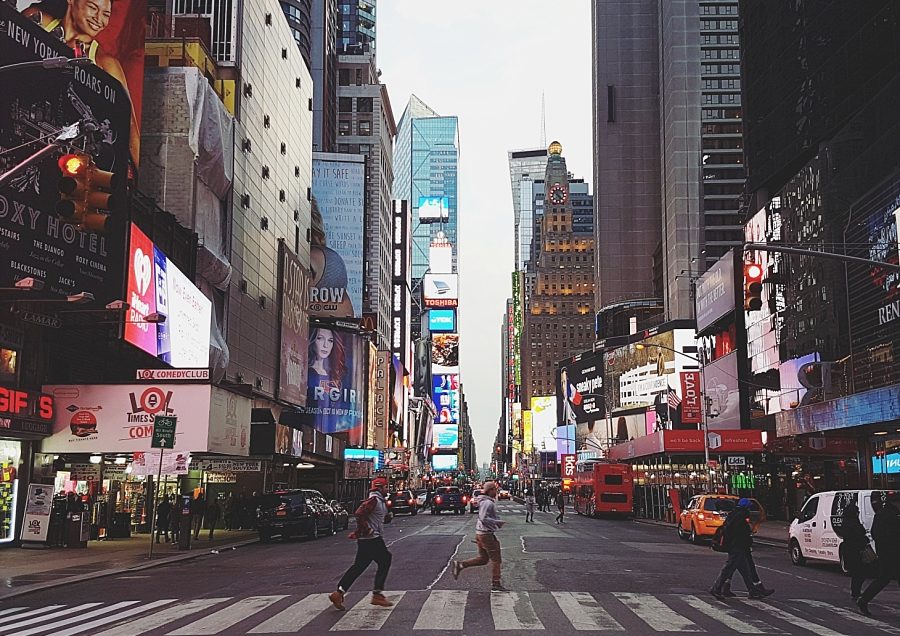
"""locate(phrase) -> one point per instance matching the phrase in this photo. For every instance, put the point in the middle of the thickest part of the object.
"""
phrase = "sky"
(488, 63)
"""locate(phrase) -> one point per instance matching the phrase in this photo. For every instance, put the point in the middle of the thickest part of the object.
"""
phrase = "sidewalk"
(29, 569)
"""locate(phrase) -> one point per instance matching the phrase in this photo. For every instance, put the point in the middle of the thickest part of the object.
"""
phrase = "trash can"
(75, 535)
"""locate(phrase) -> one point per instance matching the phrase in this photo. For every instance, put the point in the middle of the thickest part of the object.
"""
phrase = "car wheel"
(414, 512)
(314, 531)
(333, 527)
(797, 557)
(694, 538)
(681, 533)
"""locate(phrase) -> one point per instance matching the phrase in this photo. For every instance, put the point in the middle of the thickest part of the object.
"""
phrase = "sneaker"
(381, 600)
(716, 593)
(498, 587)
(337, 599)
(863, 607)
(761, 592)
(728, 593)
(456, 569)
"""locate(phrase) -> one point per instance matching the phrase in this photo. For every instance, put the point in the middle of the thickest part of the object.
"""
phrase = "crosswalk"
(462, 611)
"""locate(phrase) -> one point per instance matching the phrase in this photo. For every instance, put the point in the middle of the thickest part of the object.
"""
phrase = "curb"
(757, 540)
(38, 587)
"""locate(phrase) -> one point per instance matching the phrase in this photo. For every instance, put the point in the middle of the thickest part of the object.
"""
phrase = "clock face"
(558, 194)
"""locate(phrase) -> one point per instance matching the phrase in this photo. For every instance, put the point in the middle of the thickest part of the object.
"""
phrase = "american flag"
(673, 399)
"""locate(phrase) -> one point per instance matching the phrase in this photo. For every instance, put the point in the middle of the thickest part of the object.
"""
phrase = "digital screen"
(365, 454)
(444, 462)
(445, 394)
(441, 290)
(887, 465)
(442, 320)
(446, 436)
(434, 209)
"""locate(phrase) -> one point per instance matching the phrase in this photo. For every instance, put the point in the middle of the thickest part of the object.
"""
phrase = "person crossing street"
(371, 516)
(886, 533)
(738, 541)
(485, 536)
(529, 505)
(560, 505)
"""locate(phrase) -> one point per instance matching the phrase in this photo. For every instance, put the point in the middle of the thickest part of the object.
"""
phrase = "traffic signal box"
(753, 274)
(85, 193)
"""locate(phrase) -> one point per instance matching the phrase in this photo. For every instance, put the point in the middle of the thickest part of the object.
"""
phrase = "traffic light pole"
(767, 247)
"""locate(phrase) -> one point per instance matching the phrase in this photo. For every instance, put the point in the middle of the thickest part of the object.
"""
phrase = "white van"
(812, 534)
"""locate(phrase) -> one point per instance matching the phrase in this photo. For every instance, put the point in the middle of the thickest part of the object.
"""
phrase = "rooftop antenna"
(543, 122)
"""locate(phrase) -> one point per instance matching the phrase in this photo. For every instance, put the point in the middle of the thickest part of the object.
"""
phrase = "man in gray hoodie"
(485, 537)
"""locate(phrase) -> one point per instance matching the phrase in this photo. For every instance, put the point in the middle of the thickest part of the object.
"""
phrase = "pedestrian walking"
(213, 512)
(163, 513)
(175, 518)
(230, 511)
(886, 533)
(738, 537)
(529, 505)
(198, 511)
(561, 505)
(485, 536)
(371, 516)
(854, 541)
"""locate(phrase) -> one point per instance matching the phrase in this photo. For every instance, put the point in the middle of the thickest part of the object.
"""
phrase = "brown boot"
(337, 599)
(381, 600)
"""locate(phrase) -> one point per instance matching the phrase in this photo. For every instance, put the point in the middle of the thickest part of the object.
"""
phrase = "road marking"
(74, 619)
(585, 613)
(513, 610)
(225, 618)
(164, 617)
(449, 561)
(295, 616)
(797, 621)
(46, 617)
(843, 613)
(367, 617)
(802, 578)
(10, 610)
(28, 613)
(729, 617)
(655, 613)
(140, 609)
(444, 609)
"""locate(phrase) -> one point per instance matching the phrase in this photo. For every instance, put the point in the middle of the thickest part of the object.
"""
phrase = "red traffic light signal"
(753, 274)
(84, 192)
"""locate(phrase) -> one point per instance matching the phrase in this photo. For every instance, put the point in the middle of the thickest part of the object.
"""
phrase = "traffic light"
(753, 274)
(85, 195)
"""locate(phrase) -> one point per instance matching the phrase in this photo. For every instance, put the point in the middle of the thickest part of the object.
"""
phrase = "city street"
(586, 575)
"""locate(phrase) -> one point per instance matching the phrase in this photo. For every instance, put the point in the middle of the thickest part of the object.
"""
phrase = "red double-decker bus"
(603, 487)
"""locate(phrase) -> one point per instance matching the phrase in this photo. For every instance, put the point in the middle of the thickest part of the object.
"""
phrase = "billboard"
(229, 423)
(446, 436)
(444, 462)
(565, 440)
(400, 307)
(398, 398)
(692, 401)
(118, 418)
(543, 422)
(434, 209)
(715, 295)
(293, 290)
(366, 455)
(422, 368)
(440, 255)
(33, 241)
(336, 381)
(156, 285)
(517, 327)
(336, 243)
(442, 320)
(440, 290)
(445, 353)
(720, 385)
(445, 395)
(110, 33)
(579, 389)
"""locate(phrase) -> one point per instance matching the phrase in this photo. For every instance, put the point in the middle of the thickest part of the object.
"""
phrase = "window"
(344, 77)
(344, 127)
(809, 510)
(345, 104)
(364, 104)
(365, 127)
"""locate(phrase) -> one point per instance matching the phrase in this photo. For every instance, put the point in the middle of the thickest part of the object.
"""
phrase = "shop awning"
(687, 443)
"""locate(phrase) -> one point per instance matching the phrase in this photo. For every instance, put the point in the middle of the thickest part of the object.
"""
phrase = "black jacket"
(738, 533)
(851, 530)
(886, 532)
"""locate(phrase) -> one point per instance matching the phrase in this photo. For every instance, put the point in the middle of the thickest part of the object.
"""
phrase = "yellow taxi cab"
(705, 513)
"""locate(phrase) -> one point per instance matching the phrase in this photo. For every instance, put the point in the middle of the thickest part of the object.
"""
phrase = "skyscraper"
(525, 167)
(357, 27)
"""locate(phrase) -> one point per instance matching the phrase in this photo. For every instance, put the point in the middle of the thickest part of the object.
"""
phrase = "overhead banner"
(294, 293)
(118, 418)
(691, 402)
(336, 248)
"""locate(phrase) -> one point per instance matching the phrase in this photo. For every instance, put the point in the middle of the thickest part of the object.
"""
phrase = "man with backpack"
(371, 516)
(736, 538)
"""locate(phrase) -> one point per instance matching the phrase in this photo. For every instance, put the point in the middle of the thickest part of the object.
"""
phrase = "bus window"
(612, 480)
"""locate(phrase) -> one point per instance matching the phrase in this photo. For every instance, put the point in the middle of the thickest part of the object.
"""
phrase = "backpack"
(719, 541)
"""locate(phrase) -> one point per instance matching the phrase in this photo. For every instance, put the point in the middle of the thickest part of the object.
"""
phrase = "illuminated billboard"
(445, 395)
(434, 209)
(440, 290)
(445, 353)
(543, 422)
(442, 320)
(446, 436)
(440, 255)
(444, 462)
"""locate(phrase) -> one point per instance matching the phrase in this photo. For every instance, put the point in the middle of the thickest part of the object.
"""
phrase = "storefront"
(672, 464)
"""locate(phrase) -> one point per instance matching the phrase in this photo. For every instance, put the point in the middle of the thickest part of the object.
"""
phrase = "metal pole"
(155, 503)
(765, 247)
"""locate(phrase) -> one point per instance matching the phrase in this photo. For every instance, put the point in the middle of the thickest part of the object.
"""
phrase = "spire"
(543, 122)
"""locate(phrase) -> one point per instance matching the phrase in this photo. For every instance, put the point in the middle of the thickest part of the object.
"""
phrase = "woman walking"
(529, 505)
(561, 505)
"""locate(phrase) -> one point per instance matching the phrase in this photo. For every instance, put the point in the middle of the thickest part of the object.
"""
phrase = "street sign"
(737, 461)
(714, 464)
(568, 464)
(163, 432)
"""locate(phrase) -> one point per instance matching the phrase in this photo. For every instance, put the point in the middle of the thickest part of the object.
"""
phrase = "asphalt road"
(586, 575)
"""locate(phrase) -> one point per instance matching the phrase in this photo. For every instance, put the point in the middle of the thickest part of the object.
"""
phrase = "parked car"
(341, 515)
(421, 498)
(448, 498)
(402, 501)
(291, 513)
(473, 502)
(705, 513)
(811, 534)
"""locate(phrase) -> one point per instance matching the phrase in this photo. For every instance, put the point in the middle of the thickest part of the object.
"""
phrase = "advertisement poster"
(335, 395)
(336, 249)
(720, 379)
(445, 395)
(288, 440)
(294, 294)
(173, 463)
(156, 285)
(440, 290)
(442, 320)
(397, 394)
(715, 292)
(229, 423)
(692, 403)
(446, 436)
(118, 418)
(444, 462)
(434, 209)
(579, 390)
(109, 33)
(445, 353)
(33, 241)
(543, 422)
(38, 506)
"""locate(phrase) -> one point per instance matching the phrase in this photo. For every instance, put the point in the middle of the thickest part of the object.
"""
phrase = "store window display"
(10, 465)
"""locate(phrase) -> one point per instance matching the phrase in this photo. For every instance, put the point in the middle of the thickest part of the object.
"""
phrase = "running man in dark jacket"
(886, 532)
(854, 542)
(738, 539)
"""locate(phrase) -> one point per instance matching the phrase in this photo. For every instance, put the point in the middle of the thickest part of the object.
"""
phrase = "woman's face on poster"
(324, 343)
(91, 16)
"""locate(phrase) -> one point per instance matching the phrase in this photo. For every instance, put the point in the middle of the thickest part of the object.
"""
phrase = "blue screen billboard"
(444, 462)
(446, 436)
(365, 454)
(442, 320)
(887, 465)
(445, 394)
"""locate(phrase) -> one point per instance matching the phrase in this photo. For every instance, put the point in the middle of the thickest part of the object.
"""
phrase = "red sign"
(568, 466)
(720, 442)
(26, 404)
(691, 403)
(141, 293)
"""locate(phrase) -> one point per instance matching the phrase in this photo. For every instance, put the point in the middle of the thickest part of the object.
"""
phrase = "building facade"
(525, 167)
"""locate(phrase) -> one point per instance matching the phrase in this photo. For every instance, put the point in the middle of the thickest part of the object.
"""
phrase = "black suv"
(402, 501)
(292, 513)
(449, 498)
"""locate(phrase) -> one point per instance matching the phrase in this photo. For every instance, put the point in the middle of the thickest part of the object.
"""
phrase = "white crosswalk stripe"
(452, 611)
